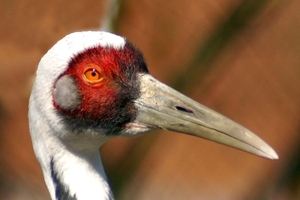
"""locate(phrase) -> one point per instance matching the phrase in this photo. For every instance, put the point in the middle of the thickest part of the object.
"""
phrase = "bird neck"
(71, 162)
(77, 175)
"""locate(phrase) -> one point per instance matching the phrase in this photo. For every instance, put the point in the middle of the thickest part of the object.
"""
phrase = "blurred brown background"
(238, 57)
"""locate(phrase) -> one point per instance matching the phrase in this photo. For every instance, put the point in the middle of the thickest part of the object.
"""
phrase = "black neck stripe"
(61, 191)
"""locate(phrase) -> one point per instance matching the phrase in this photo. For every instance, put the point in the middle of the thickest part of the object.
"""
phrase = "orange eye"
(92, 75)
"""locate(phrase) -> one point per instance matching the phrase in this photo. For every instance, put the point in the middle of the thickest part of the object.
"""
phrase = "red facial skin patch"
(107, 80)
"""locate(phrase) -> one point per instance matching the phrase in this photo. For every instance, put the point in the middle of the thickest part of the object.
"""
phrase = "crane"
(93, 86)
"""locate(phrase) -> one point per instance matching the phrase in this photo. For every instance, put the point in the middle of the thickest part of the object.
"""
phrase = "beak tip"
(271, 154)
(275, 156)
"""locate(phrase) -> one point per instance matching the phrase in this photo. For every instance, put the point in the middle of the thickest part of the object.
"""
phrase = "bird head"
(96, 85)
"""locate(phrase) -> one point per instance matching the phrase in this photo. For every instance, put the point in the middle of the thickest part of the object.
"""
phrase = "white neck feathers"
(71, 163)
(81, 176)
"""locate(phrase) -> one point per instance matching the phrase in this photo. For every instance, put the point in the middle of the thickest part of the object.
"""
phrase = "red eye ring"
(91, 74)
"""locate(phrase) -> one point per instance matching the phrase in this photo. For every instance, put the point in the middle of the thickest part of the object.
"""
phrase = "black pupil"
(94, 73)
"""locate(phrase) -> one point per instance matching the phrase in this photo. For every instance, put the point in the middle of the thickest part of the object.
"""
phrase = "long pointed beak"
(159, 106)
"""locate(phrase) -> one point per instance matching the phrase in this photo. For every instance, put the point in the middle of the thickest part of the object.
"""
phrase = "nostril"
(183, 109)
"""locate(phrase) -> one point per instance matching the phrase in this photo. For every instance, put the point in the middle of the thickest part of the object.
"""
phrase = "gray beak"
(161, 107)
